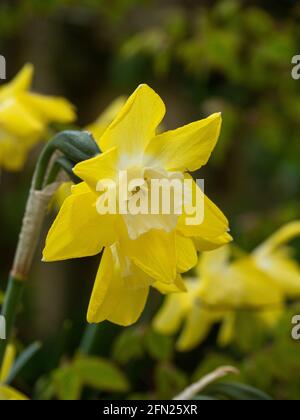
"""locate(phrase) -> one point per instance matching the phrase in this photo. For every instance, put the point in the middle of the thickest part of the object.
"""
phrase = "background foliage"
(201, 56)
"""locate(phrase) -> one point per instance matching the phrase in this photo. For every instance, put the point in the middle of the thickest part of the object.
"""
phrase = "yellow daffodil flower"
(140, 250)
(24, 118)
(221, 288)
(276, 259)
(260, 282)
(7, 392)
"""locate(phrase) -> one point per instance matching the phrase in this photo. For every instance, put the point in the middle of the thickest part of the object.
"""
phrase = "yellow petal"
(80, 188)
(212, 231)
(99, 168)
(109, 114)
(49, 108)
(241, 285)
(209, 244)
(136, 123)
(214, 262)
(276, 260)
(196, 328)
(284, 270)
(177, 287)
(79, 230)
(17, 120)
(12, 154)
(113, 297)
(10, 394)
(188, 147)
(279, 238)
(19, 84)
(170, 316)
(154, 253)
(8, 362)
(186, 253)
(227, 330)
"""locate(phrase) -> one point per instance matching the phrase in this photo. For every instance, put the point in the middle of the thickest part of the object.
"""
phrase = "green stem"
(15, 285)
(10, 307)
(42, 166)
(76, 146)
(89, 339)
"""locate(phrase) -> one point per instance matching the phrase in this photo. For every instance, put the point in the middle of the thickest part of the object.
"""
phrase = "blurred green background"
(202, 56)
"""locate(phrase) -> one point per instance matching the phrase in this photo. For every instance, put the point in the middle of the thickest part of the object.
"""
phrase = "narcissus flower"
(24, 118)
(259, 282)
(221, 288)
(140, 250)
(6, 392)
(276, 259)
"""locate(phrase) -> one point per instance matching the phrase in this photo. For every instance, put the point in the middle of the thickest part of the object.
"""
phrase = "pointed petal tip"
(229, 237)
(29, 67)
(143, 86)
(45, 259)
(89, 320)
(90, 317)
(216, 115)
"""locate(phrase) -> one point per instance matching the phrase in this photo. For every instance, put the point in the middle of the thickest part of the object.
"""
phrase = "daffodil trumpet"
(72, 147)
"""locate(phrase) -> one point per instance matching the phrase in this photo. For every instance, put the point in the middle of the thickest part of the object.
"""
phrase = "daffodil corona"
(140, 250)
(24, 118)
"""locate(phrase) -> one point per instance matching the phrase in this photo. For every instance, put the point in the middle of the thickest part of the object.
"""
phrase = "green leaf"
(100, 374)
(128, 346)
(204, 398)
(44, 389)
(22, 361)
(159, 346)
(67, 384)
(169, 381)
(237, 391)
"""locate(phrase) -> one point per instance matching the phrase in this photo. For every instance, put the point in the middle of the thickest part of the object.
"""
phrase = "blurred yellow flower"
(6, 392)
(140, 250)
(276, 259)
(259, 282)
(221, 288)
(24, 118)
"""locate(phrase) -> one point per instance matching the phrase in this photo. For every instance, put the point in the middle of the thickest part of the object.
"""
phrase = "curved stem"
(42, 166)
(74, 145)
(32, 223)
